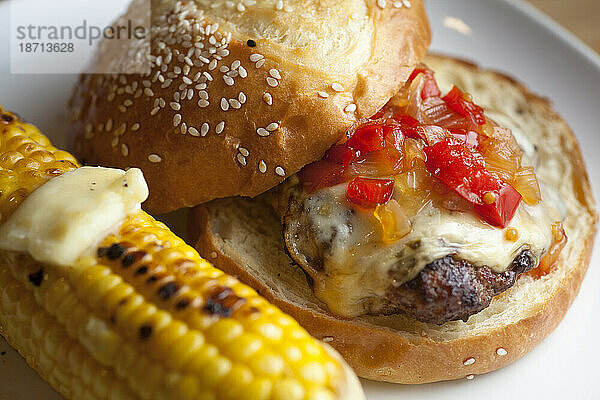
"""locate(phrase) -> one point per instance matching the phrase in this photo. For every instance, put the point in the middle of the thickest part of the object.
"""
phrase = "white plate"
(506, 35)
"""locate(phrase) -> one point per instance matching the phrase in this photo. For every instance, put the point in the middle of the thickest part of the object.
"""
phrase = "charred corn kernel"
(144, 317)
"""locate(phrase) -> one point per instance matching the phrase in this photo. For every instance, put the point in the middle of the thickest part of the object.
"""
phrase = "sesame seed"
(240, 7)
(207, 75)
(124, 150)
(337, 87)
(235, 103)
(109, 124)
(128, 103)
(175, 106)
(407, 3)
(274, 73)
(323, 94)
(268, 98)
(279, 5)
(212, 65)
(203, 94)
(501, 351)
(244, 151)
(176, 119)
(350, 107)
(176, 96)
(154, 111)
(259, 63)
(263, 132)
(280, 171)
(220, 126)
(224, 68)
(177, 70)
(381, 3)
(272, 126)
(135, 127)
(470, 376)
(224, 104)
(397, 4)
(203, 103)
(469, 361)
(228, 80)
(193, 131)
(204, 129)
(241, 159)
(242, 97)
(183, 128)
(236, 64)
(155, 158)
(148, 92)
(213, 254)
(115, 141)
(121, 129)
(262, 166)
(255, 57)
(187, 80)
(233, 73)
(272, 81)
(122, 108)
(328, 339)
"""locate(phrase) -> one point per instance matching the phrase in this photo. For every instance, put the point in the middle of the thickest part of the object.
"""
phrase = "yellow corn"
(146, 317)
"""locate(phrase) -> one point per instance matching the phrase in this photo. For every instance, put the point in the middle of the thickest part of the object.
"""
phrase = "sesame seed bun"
(241, 97)
(244, 237)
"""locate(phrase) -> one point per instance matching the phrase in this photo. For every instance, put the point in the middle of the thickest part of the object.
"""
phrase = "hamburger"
(428, 219)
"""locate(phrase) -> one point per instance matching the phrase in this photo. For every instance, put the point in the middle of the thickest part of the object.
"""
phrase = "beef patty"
(448, 289)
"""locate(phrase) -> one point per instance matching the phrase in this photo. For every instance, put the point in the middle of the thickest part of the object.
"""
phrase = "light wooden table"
(582, 17)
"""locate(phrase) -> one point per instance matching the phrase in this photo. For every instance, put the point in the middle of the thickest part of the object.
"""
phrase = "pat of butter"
(69, 214)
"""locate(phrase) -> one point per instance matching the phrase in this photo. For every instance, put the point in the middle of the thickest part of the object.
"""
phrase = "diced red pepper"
(430, 87)
(322, 174)
(456, 101)
(369, 192)
(455, 165)
(367, 138)
(341, 154)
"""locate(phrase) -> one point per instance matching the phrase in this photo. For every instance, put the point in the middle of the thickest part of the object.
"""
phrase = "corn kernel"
(288, 389)
(215, 370)
(259, 389)
(268, 364)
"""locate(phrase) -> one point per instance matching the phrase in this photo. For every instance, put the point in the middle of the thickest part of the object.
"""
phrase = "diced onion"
(394, 222)
(527, 185)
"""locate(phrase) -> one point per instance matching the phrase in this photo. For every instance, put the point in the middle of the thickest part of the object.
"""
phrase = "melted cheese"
(358, 267)
(68, 215)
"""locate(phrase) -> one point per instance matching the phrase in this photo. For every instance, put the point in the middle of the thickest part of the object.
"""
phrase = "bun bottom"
(244, 238)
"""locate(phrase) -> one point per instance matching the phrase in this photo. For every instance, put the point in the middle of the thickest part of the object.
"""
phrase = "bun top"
(243, 94)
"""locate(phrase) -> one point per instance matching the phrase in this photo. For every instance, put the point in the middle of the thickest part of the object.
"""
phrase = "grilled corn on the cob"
(146, 317)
